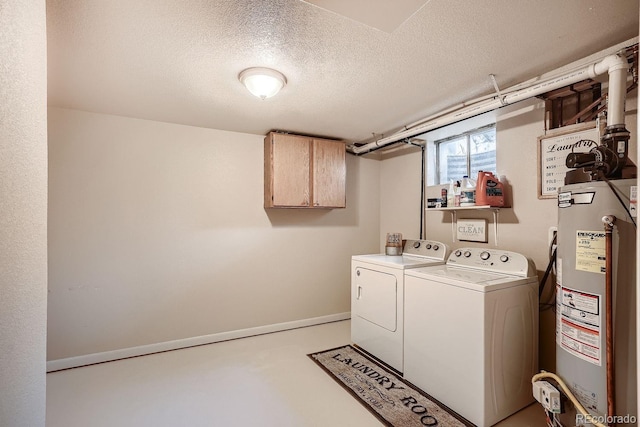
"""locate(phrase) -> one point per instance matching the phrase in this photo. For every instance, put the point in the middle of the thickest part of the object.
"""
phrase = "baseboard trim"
(109, 356)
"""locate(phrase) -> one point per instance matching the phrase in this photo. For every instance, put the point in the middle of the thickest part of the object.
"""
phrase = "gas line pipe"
(608, 221)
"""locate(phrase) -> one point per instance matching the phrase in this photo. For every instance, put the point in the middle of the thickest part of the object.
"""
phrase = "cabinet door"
(329, 174)
(290, 170)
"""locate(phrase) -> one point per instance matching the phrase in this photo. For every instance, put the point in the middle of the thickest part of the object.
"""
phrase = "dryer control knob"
(467, 254)
(428, 246)
(504, 258)
(436, 247)
(416, 245)
(485, 255)
(458, 253)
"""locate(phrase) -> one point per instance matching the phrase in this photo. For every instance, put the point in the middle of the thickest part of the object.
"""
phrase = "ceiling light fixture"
(262, 82)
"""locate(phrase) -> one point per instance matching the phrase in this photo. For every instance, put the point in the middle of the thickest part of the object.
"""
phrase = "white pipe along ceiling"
(616, 65)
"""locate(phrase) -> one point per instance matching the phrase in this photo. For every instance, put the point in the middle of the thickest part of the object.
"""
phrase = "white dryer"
(471, 332)
(377, 297)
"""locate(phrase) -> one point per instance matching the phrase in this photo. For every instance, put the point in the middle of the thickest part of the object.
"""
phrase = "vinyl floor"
(264, 381)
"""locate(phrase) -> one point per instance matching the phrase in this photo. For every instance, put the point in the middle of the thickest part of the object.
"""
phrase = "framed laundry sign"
(553, 149)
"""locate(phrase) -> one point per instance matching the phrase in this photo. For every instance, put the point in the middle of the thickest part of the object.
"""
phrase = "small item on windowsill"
(490, 190)
(437, 203)
(456, 195)
(468, 192)
(451, 194)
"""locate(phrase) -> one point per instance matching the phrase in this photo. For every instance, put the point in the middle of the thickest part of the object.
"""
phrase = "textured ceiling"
(178, 61)
(385, 15)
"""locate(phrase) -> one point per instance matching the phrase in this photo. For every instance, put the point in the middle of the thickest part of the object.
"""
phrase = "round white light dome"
(262, 82)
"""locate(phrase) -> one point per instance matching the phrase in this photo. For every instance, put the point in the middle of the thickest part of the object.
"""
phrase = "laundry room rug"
(394, 401)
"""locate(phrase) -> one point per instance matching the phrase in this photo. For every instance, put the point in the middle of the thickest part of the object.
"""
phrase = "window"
(465, 154)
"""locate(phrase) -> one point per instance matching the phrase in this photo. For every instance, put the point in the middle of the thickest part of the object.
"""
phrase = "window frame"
(467, 136)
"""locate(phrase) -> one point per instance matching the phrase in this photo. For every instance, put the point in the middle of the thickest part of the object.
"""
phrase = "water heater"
(581, 298)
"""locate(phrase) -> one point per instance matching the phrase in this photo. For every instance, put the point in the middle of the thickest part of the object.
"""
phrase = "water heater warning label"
(579, 321)
(590, 251)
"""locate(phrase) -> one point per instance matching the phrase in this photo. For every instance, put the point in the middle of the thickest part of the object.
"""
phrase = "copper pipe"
(608, 222)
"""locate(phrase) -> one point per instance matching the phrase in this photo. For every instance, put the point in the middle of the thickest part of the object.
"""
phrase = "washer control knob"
(485, 255)
(467, 254)
(416, 244)
(458, 253)
(504, 258)
(436, 247)
(428, 246)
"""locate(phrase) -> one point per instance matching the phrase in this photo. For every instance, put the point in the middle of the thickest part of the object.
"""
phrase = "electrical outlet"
(548, 396)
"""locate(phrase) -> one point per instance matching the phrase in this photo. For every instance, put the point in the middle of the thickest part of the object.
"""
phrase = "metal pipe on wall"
(608, 221)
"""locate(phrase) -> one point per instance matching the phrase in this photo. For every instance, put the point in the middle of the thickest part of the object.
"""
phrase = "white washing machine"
(377, 297)
(471, 332)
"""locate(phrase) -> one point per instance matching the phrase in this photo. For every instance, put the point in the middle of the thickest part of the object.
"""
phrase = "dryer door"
(375, 297)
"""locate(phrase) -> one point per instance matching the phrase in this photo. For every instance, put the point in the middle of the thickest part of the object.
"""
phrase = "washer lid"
(398, 261)
(468, 278)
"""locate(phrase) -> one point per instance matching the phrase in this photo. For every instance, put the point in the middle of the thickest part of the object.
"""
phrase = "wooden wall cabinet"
(304, 172)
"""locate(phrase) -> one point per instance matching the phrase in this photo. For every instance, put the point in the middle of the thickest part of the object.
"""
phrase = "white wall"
(23, 213)
(400, 183)
(522, 228)
(158, 233)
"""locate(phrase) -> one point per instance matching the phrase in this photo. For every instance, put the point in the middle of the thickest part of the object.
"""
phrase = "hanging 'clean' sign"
(472, 230)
